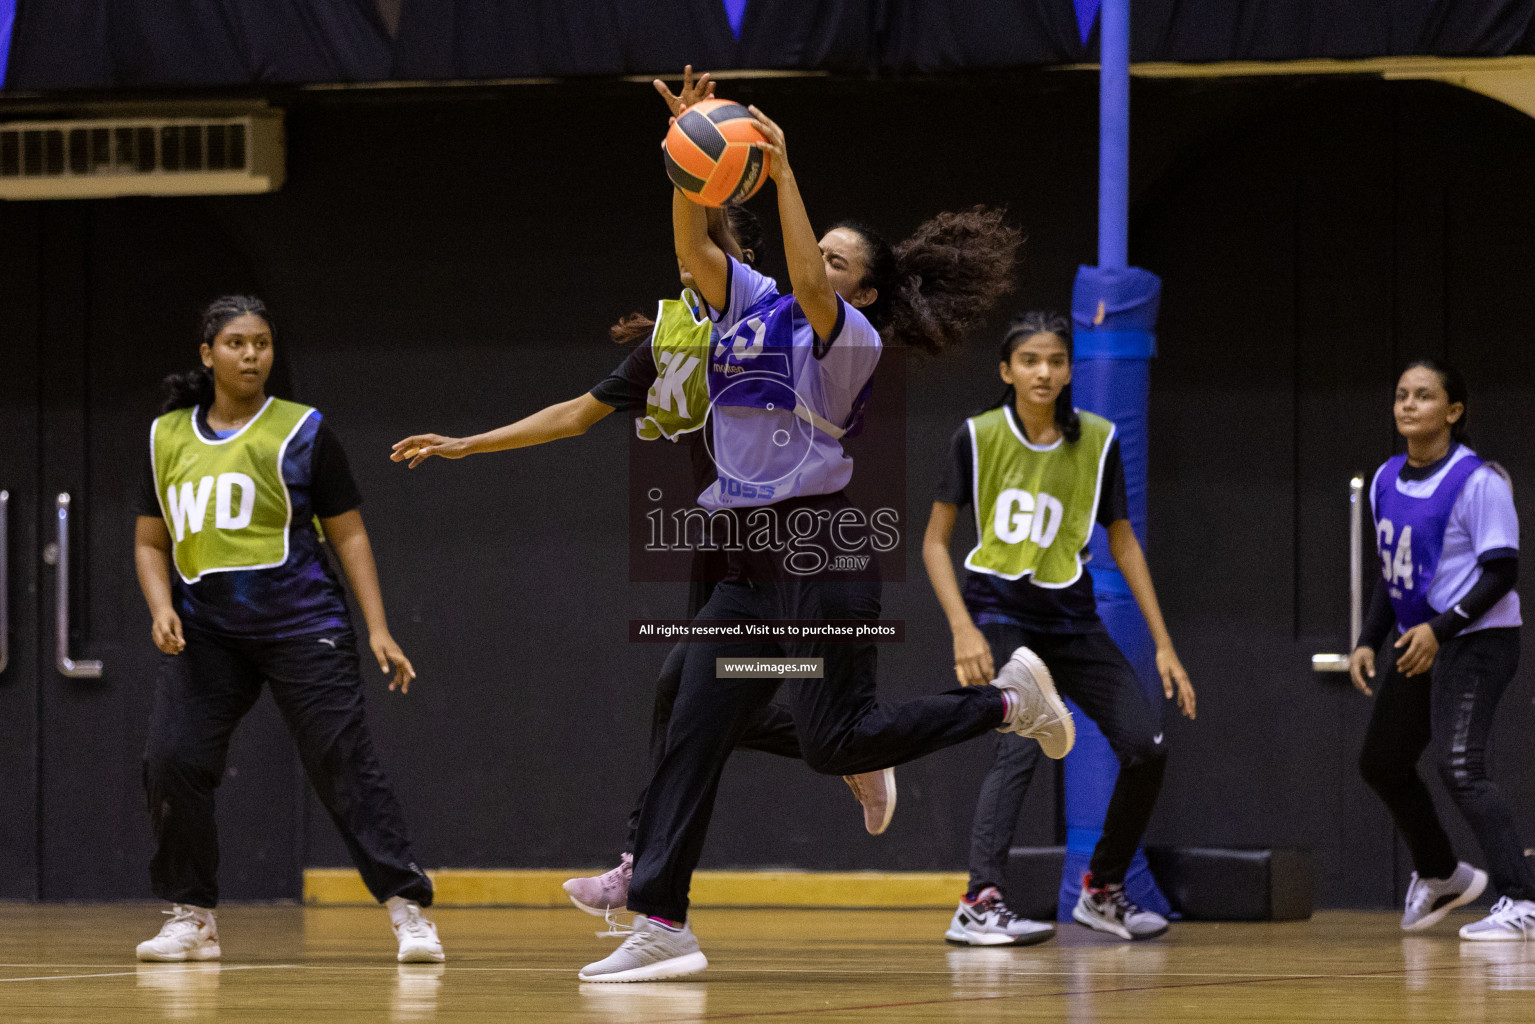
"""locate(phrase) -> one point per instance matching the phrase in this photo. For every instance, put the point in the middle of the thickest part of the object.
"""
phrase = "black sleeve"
(954, 485)
(146, 502)
(1379, 619)
(332, 490)
(1498, 577)
(1114, 502)
(626, 387)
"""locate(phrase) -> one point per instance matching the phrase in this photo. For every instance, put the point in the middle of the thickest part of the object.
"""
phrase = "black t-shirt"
(625, 389)
(991, 598)
(332, 489)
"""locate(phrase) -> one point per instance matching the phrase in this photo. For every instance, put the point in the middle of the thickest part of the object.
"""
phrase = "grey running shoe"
(988, 922)
(599, 894)
(651, 953)
(1108, 909)
(1038, 711)
(1430, 899)
(876, 791)
(1510, 921)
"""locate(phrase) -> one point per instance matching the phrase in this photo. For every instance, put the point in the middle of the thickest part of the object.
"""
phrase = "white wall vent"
(137, 156)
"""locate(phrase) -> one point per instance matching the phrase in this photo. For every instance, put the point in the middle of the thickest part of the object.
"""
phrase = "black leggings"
(1450, 708)
(1091, 670)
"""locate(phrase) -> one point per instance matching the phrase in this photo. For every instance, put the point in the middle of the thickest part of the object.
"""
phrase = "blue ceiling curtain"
(137, 43)
(143, 43)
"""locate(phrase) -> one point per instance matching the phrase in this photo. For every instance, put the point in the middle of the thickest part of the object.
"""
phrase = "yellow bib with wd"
(224, 500)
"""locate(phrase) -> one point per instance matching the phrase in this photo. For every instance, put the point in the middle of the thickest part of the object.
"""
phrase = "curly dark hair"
(938, 284)
(746, 228)
(195, 387)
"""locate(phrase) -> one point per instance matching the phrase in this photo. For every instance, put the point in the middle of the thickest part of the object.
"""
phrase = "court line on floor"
(194, 968)
(1267, 979)
(1238, 977)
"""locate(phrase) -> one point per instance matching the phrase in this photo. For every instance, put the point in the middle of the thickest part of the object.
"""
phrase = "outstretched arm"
(972, 654)
(565, 419)
(1132, 564)
(807, 267)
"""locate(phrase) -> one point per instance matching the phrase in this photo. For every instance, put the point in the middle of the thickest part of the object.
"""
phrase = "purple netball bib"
(754, 363)
(1409, 534)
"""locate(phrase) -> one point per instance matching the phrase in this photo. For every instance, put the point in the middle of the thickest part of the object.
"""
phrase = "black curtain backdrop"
(104, 44)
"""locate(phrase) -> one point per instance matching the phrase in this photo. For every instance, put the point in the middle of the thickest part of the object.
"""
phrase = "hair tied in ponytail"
(195, 387)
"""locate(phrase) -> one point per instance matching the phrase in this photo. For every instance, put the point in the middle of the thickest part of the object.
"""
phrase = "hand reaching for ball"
(772, 144)
(692, 91)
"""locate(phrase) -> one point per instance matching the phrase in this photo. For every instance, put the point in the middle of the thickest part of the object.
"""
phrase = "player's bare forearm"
(802, 250)
(152, 561)
(551, 423)
(349, 539)
(1131, 561)
(940, 564)
(705, 260)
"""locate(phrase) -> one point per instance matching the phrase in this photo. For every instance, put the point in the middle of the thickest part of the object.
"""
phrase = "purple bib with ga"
(1409, 534)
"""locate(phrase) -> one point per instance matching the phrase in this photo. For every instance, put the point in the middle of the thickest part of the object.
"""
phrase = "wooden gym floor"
(335, 964)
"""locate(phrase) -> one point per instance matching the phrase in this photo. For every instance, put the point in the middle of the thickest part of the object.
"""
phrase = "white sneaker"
(1037, 710)
(1430, 899)
(190, 934)
(989, 922)
(652, 952)
(1510, 921)
(419, 943)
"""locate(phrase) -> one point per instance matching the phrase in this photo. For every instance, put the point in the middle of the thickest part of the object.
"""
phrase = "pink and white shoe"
(600, 894)
(876, 791)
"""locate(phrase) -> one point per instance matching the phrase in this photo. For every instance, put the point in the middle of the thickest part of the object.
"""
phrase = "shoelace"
(615, 926)
(994, 905)
(1044, 719)
(1122, 904)
(639, 939)
(179, 915)
(414, 925)
(1506, 912)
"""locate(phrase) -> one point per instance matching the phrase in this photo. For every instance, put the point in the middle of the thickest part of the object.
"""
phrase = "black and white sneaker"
(986, 921)
(1108, 909)
(1430, 899)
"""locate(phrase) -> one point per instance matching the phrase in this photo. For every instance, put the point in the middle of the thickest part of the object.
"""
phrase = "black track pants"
(1451, 709)
(200, 697)
(843, 728)
(1090, 669)
(770, 731)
